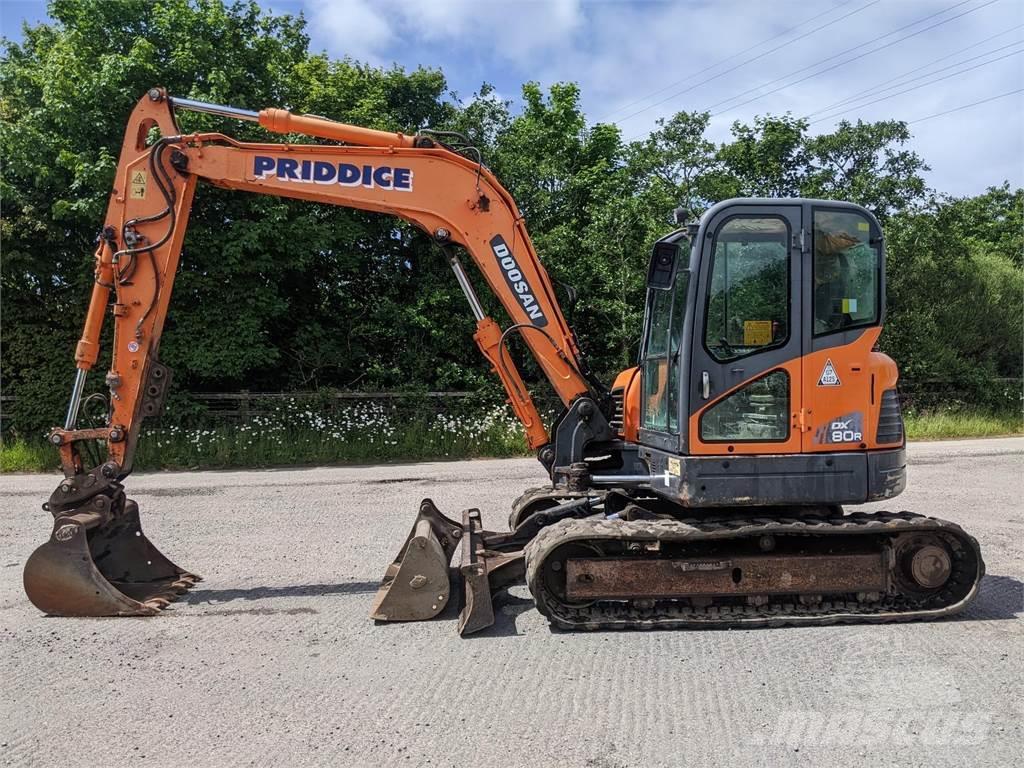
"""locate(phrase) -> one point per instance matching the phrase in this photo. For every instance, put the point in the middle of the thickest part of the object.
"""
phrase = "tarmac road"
(272, 660)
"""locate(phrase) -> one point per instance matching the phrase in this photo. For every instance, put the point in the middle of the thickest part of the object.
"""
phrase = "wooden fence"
(245, 405)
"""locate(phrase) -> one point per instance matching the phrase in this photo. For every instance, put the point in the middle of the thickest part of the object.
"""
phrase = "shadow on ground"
(1000, 598)
(200, 595)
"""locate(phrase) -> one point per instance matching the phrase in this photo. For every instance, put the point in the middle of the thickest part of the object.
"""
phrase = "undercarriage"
(616, 561)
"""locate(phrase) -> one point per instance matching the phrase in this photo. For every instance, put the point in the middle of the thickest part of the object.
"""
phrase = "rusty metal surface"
(99, 564)
(477, 608)
(624, 578)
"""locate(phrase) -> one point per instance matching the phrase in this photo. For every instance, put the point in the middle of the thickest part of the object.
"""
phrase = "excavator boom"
(454, 199)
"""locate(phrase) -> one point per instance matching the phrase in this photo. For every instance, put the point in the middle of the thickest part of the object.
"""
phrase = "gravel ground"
(273, 661)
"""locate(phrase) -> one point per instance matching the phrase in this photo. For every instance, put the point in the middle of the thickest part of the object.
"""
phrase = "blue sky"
(636, 62)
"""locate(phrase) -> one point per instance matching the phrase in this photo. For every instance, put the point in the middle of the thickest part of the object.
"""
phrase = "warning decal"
(138, 185)
(757, 333)
(829, 377)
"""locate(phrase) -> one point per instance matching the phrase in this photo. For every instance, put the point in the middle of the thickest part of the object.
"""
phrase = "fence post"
(244, 406)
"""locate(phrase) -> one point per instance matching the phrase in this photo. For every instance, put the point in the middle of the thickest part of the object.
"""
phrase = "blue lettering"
(286, 169)
(261, 165)
(402, 179)
(323, 173)
(382, 177)
(348, 174)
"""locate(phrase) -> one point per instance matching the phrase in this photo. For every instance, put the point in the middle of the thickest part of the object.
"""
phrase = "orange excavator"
(704, 488)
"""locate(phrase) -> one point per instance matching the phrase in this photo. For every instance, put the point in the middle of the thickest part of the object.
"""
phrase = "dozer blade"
(416, 585)
(484, 572)
(98, 564)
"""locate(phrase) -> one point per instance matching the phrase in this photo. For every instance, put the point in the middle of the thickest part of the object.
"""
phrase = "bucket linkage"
(417, 585)
(98, 562)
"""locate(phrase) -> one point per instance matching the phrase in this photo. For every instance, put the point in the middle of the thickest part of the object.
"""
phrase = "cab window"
(662, 356)
(846, 271)
(748, 296)
(757, 412)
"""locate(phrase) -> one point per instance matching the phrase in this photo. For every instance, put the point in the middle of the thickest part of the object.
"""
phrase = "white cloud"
(378, 30)
(357, 27)
(649, 53)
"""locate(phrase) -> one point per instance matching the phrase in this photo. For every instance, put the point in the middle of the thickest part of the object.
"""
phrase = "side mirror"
(663, 265)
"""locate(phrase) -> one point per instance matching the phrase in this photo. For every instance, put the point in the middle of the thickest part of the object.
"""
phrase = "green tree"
(767, 159)
(271, 293)
(955, 301)
(672, 162)
(865, 163)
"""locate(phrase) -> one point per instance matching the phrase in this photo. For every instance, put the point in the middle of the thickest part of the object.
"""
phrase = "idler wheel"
(931, 566)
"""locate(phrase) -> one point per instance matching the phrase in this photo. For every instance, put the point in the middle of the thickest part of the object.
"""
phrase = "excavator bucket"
(418, 585)
(98, 562)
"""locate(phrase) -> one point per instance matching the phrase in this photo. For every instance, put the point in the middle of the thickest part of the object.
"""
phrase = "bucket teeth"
(102, 565)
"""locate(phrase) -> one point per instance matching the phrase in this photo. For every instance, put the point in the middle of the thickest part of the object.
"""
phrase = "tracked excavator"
(704, 488)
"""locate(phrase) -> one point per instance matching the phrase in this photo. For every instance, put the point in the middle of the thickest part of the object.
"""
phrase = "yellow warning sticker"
(138, 185)
(849, 306)
(862, 226)
(757, 333)
(674, 467)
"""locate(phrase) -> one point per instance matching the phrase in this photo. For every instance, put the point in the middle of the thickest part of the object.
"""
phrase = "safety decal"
(848, 428)
(674, 466)
(829, 377)
(138, 185)
(757, 333)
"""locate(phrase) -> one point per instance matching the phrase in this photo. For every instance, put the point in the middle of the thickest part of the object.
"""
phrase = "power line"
(748, 61)
(916, 87)
(965, 106)
(843, 53)
(722, 61)
(878, 91)
(874, 88)
(849, 50)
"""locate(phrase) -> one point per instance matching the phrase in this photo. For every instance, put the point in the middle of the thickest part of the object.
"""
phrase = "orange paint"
(863, 376)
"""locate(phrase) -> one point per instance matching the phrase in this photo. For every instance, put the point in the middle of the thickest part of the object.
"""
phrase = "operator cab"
(759, 336)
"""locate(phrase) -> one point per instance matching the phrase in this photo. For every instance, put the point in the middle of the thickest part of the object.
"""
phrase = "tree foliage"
(275, 294)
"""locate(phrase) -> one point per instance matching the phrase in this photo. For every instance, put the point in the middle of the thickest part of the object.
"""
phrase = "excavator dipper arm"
(454, 199)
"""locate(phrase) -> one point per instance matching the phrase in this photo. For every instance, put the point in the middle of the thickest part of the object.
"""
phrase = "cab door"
(845, 296)
(745, 375)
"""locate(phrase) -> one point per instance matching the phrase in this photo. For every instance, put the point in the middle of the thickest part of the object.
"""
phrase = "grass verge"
(20, 456)
(941, 425)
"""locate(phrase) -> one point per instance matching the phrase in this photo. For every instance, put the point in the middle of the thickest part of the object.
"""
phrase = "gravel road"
(272, 660)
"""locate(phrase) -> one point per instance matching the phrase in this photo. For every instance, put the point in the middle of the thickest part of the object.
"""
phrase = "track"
(576, 536)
